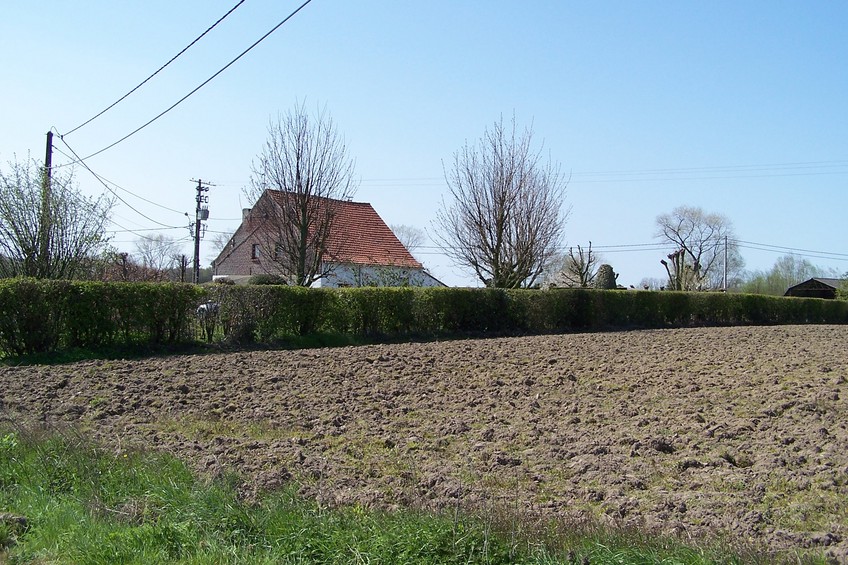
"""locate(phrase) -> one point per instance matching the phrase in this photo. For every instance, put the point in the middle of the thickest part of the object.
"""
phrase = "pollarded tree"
(299, 179)
(506, 217)
(48, 231)
(703, 238)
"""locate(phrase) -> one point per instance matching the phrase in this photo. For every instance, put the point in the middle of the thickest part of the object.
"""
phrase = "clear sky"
(739, 107)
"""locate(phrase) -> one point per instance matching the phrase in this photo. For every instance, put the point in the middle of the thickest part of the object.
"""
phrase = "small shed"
(816, 288)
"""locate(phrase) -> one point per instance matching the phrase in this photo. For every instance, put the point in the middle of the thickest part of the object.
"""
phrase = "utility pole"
(725, 263)
(42, 265)
(201, 215)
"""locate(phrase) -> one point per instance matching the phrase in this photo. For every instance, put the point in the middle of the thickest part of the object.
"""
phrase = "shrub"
(30, 316)
(266, 279)
(606, 278)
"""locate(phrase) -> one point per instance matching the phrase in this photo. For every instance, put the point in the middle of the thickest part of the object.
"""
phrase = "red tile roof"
(359, 235)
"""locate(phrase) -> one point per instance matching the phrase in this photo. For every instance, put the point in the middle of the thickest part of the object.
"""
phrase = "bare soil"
(738, 433)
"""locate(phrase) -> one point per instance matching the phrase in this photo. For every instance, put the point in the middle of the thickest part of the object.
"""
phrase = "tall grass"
(65, 500)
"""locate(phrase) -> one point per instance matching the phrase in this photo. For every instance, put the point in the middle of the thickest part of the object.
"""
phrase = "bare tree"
(580, 268)
(298, 182)
(158, 253)
(574, 269)
(506, 218)
(217, 242)
(411, 237)
(682, 275)
(48, 231)
(702, 240)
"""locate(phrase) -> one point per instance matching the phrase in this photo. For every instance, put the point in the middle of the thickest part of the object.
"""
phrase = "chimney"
(245, 214)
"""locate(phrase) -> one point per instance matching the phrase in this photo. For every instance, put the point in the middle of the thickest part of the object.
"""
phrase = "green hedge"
(271, 313)
(46, 316)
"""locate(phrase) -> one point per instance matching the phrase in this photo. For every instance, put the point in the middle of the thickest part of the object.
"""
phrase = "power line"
(713, 177)
(136, 232)
(731, 168)
(803, 168)
(127, 230)
(781, 248)
(106, 186)
(174, 58)
(204, 83)
(665, 246)
(131, 193)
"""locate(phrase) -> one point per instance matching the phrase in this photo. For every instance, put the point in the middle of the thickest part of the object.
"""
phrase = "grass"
(65, 500)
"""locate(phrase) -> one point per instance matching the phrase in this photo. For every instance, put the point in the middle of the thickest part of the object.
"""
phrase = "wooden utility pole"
(201, 215)
(42, 264)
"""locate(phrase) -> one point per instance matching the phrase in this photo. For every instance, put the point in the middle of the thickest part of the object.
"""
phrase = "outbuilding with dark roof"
(816, 287)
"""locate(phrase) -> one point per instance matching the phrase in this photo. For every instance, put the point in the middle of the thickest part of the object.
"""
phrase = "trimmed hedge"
(268, 314)
(47, 316)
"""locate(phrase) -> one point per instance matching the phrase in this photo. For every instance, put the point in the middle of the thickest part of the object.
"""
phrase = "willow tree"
(705, 245)
(48, 230)
(298, 182)
(505, 219)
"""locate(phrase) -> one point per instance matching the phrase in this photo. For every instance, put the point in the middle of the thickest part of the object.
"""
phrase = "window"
(254, 251)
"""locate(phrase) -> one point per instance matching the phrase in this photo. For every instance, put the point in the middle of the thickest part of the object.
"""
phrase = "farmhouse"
(816, 288)
(360, 249)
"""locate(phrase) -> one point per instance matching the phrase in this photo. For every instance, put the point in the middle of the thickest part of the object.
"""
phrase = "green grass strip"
(64, 500)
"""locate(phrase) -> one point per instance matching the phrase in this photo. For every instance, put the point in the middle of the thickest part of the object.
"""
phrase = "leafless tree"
(48, 231)
(701, 238)
(217, 242)
(158, 253)
(580, 268)
(682, 275)
(506, 217)
(298, 182)
(411, 237)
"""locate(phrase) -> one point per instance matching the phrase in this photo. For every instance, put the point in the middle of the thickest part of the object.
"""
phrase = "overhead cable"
(107, 187)
(116, 185)
(174, 58)
(201, 85)
(793, 249)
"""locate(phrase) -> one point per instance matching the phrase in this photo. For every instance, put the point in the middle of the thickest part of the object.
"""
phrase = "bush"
(606, 278)
(266, 279)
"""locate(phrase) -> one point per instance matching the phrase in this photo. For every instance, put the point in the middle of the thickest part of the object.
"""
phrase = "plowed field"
(734, 432)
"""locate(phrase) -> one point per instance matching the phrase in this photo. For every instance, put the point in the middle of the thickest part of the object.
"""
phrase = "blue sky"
(740, 108)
